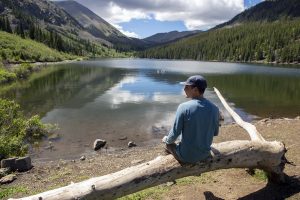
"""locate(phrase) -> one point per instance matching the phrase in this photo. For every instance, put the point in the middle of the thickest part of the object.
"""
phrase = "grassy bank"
(14, 49)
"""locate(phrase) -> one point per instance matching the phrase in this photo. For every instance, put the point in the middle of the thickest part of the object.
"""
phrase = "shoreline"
(14, 65)
(293, 65)
(53, 174)
(147, 146)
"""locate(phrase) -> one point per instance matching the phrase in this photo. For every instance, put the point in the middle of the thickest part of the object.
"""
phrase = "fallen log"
(254, 153)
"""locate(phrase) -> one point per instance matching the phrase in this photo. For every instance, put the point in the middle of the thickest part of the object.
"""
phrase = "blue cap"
(197, 81)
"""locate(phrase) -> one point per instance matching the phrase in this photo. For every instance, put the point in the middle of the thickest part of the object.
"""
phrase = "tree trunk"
(255, 153)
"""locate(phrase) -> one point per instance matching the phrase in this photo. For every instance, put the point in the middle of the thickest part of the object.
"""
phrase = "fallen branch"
(250, 128)
(256, 153)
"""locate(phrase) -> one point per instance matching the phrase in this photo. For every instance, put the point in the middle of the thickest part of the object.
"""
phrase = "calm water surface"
(137, 98)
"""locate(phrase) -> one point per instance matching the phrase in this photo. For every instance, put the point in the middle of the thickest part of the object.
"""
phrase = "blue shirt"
(198, 122)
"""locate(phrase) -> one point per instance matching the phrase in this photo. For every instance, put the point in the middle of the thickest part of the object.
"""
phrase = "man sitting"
(197, 120)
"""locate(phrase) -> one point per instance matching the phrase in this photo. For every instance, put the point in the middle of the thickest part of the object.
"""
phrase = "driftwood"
(254, 153)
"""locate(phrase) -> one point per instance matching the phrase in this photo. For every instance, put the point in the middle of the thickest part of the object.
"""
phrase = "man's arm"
(217, 122)
(177, 127)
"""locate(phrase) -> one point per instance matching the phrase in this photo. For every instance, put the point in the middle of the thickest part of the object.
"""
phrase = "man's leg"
(171, 148)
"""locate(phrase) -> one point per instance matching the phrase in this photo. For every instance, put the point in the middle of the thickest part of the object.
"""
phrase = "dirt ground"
(221, 184)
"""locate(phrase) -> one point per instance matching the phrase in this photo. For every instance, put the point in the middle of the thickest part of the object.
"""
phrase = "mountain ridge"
(266, 11)
(162, 38)
(258, 37)
(98, 27)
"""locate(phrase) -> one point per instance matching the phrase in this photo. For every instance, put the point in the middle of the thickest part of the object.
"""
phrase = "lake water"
(137, 98)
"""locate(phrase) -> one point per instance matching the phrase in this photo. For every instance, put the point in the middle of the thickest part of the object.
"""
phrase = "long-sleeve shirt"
(198, 122)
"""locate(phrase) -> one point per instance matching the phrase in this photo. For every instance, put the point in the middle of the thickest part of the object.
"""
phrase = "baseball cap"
(197, 81)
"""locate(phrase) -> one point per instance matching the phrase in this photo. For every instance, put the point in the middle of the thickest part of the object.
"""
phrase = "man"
(197, 121)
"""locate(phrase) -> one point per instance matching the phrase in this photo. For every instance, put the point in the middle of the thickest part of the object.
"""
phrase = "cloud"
(196, 14)
(127, 33)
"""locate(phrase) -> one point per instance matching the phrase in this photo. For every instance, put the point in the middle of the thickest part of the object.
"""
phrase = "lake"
(136, 99)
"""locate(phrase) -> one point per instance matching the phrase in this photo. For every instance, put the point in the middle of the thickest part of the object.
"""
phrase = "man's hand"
(164, 140)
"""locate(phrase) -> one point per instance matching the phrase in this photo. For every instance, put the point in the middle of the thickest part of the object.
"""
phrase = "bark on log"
(256, 153)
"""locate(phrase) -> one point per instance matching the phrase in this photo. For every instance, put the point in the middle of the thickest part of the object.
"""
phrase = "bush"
(16, 131)
(23, 71)
(6, 76)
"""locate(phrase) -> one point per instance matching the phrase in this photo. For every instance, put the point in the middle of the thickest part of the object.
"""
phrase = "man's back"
(200, 120)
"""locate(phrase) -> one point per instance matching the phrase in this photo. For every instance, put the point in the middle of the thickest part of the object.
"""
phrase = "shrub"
(23, 71)
(16, 131)
(6, 76)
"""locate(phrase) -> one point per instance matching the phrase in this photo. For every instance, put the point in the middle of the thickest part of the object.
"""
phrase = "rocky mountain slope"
(98, 27)
(172, 36)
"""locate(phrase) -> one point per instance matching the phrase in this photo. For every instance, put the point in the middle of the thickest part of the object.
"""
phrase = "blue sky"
(143, 18)
(250, 3)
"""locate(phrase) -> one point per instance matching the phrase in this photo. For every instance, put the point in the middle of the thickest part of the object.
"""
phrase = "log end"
(276, 175)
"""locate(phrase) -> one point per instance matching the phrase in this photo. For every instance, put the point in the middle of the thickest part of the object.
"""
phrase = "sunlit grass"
(11, 191)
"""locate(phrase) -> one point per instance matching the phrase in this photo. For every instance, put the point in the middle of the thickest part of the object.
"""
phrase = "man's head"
(194, 85)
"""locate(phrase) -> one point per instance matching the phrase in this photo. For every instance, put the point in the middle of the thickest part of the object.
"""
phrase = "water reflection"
(261, 95)
(140, 88)
(61, 86)
(138, 98)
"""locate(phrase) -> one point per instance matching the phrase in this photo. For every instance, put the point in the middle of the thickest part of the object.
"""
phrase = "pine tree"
(7, 25)
(2, 24)
(20, 30)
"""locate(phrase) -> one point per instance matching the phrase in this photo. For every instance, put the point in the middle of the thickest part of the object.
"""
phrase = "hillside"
(251, 41)
(98, 27)
(274, 42)
(45, 22)
(161, 38)
(267, 11)
(14, 49)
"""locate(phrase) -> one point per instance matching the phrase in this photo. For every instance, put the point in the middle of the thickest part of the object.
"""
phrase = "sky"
(143, 18)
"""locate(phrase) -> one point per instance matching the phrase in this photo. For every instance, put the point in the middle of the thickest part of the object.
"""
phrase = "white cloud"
(127, 33)
(196, 14)
(118, 14)
(116, 96)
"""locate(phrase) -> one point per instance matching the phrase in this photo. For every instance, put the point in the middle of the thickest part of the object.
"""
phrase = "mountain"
(45, 22)
(268, 32)
(266, 11)
(98, 27)
(89, 20)
(161, 38)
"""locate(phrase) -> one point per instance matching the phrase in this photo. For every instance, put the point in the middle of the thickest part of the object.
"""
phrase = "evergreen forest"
(277, 42)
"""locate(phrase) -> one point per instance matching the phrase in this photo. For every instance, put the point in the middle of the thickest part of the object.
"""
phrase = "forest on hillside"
(28, 27)
(278, 42)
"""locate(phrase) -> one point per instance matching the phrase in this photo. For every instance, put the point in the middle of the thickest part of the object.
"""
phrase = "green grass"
(260, 175)
(203, 178)
(14, 49)
(152, 193)
(8, 192)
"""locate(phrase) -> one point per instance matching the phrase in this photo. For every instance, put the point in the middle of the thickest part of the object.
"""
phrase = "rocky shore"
(221, 184)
